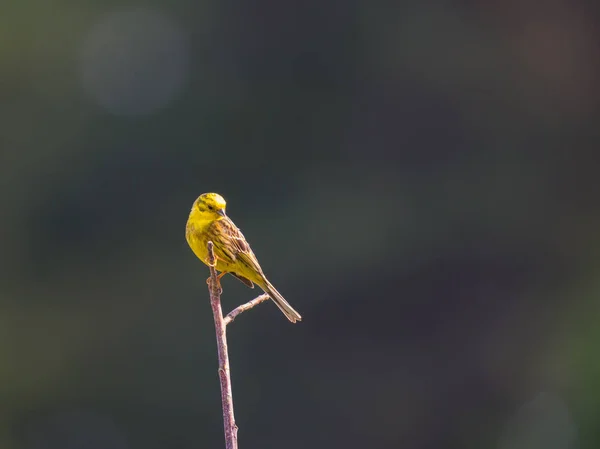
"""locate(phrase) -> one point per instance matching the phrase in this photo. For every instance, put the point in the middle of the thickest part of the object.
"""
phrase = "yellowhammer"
(208, 222)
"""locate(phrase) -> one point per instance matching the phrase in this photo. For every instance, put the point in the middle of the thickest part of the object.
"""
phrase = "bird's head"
(210, 206)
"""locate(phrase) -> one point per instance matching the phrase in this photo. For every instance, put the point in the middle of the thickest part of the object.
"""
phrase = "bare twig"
(214, 288)
(239, 309)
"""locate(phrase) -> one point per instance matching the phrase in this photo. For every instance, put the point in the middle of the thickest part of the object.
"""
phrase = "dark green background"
(419, 179)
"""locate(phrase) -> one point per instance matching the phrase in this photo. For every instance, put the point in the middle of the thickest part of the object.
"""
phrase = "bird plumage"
(208, 222)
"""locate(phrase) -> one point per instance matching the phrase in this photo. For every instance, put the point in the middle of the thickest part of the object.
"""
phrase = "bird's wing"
(243, 280)
(232, 245)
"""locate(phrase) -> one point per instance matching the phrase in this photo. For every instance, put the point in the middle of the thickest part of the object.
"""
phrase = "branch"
(239, 309)
(214, 288)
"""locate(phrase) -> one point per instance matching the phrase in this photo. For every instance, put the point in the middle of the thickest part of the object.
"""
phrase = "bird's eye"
(210, 207)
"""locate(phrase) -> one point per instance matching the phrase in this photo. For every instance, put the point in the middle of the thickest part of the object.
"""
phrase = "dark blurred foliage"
(420, 180)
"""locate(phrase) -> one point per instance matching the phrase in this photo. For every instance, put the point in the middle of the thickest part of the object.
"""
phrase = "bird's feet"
(218, 278)
(216, 287)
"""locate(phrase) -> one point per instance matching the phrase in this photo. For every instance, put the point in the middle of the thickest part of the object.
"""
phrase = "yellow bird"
(208, 222)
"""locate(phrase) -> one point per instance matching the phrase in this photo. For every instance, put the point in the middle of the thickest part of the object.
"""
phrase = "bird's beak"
(221, 212)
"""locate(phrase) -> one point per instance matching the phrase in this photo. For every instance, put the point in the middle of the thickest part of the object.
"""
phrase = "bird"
(209, 222)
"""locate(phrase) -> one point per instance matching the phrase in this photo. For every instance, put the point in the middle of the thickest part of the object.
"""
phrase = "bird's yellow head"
(210, 206)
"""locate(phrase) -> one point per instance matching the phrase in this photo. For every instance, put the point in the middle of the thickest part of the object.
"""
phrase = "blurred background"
(419, 179)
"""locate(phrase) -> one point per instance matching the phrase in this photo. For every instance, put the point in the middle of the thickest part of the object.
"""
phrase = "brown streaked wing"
(234, 244)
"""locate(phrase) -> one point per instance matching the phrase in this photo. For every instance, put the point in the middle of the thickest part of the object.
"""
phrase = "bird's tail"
(280, 302)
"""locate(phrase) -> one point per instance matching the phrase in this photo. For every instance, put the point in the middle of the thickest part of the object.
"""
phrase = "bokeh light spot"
(545, 422)
(134, 62)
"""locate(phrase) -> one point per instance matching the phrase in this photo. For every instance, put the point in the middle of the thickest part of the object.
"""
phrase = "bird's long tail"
(280, 302)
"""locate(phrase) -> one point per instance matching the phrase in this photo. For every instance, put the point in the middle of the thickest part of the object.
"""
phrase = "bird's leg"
(219, 276)
(218, 286)
(213, 265)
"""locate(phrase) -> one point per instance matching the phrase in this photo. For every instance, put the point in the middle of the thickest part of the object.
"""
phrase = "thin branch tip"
(239, 309)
